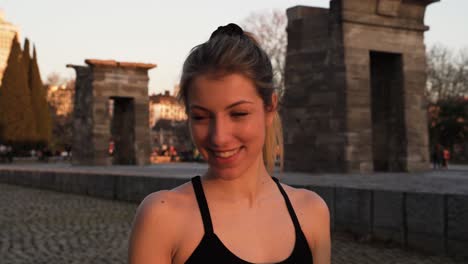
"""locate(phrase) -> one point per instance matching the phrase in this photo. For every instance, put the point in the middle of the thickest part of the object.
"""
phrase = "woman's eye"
(198, 118)
(239, 114)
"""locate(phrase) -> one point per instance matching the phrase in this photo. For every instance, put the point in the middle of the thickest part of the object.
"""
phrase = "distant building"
(167, 122)
(165, 106)
(60, 97)
(166, 133)
(7, 33)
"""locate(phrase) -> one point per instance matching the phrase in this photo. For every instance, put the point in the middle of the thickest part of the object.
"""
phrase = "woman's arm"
(322, 234)
(318, 218)
(152, 236)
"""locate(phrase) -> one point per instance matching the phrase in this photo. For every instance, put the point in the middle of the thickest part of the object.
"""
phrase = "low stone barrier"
(432, 223)
(117, 187)
(436, 223)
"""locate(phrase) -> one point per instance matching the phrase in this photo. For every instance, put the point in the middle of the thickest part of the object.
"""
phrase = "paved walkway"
(39, 226)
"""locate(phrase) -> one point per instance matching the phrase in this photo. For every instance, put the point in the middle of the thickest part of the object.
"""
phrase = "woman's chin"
(224, 173)
(232, 167)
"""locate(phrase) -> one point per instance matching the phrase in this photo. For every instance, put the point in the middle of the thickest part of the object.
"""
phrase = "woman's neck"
(245, 190)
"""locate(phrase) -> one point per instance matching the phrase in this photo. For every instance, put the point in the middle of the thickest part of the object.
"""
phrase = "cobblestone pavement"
(39, 226)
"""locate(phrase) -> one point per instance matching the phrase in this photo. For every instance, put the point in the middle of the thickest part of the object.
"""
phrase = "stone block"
(35, 179)
(25, 178)
(388, 8)
(358, 71)
(47, 180)
(353, 210)
(299, 12)
(457, 217)
(12, 177)
(415, 78)
(4, 177)
(458, 249)
(358, 6)
(103, 186)
(388, 216)
(134, 189)
(74, 183)
(324, 98)
(426, 243)
(425, 214)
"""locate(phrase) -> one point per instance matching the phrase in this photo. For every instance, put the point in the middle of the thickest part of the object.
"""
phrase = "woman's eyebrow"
(227, 107)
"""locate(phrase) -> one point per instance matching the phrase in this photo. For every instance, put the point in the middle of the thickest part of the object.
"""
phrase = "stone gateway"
(111, 119)
(355, 78)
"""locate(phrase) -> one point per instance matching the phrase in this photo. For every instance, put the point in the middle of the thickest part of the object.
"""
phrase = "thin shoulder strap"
(297, 226)
(202, 204)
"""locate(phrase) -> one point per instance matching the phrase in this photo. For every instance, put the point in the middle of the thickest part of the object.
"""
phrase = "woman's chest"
(263, 236)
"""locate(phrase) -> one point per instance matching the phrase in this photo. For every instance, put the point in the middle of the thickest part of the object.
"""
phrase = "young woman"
(236, 212)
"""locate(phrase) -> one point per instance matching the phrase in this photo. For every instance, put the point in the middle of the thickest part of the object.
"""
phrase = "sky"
(163, 32)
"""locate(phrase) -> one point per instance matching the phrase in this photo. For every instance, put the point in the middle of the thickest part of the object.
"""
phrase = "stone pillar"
(355, 80)
(313, 107)
(111, 104)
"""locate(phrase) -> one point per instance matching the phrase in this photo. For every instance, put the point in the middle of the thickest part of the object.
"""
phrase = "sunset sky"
(163, 32)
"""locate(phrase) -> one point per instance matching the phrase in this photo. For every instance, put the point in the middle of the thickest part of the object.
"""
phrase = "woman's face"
(227, 121)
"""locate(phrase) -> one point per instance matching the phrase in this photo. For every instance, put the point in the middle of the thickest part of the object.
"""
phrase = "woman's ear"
(271, 110)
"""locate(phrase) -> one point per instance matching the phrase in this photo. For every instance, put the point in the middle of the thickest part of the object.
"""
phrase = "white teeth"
(226, 154)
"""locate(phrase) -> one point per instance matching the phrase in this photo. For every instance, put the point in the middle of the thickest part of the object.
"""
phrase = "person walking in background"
(9, 153)
(446, 157)
(3, 152)
(437, 156)
(434, 157)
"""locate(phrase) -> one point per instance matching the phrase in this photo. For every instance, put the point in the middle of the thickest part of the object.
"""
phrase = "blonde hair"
(273, 146)
(231, 50)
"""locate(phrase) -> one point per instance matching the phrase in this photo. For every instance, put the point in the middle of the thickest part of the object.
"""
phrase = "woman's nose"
(219, 132)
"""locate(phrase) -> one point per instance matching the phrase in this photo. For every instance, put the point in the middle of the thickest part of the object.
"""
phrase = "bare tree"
(447, 73)
(55, 79)
(60, 96)
(270, 29)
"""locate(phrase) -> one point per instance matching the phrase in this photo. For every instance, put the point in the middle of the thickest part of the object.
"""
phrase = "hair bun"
(230, 29)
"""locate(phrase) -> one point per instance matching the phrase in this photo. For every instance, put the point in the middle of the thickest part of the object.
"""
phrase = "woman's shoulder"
(157, 227)
(305, 198)
(163, 210)
(166, 202)
(312, 212)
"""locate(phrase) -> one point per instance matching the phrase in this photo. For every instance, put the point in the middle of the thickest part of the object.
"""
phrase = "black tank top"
(212, 250)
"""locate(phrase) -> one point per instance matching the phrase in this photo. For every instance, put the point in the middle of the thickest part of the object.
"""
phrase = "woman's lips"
(225, 154)
(225, 157)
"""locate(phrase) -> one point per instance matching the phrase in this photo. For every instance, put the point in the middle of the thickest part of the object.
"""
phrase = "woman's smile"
(226, 153)
(226, 157)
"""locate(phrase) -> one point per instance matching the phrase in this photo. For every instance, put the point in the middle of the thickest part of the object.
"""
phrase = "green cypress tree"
(27, 60)
(40, 105)
(1, 116)
(18, 125)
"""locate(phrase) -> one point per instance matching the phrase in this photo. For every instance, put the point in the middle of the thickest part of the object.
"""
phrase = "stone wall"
(335, 105)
